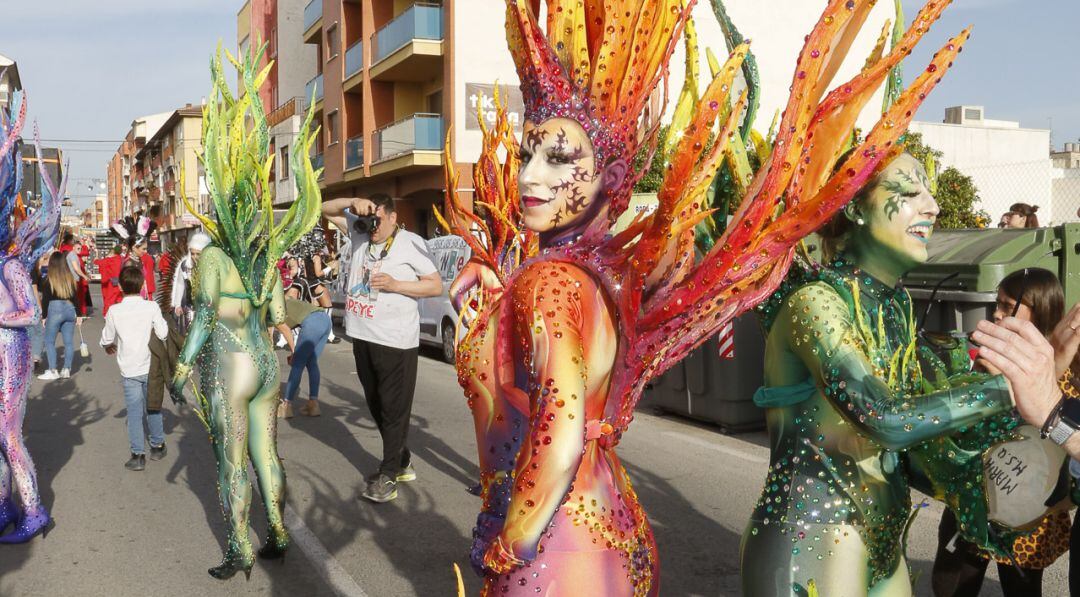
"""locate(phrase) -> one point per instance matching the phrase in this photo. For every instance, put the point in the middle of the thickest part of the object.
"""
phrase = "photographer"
(390, 269)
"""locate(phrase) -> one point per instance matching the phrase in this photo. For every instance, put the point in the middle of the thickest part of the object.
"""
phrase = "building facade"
(172, 150)
(125, 197)
(280, 24)
(9, 79)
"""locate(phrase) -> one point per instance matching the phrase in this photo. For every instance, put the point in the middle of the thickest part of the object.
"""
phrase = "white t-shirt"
(390, 319)
(128, 325)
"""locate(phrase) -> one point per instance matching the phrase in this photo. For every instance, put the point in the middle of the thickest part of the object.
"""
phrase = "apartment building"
(280, 25)
(9, 79)
(124, 197)
(388, 73)
(156, 174)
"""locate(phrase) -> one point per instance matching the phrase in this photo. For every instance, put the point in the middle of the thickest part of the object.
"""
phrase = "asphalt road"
(121, 533)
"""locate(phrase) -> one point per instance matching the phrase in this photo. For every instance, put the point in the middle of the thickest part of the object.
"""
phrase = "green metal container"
(982, 258)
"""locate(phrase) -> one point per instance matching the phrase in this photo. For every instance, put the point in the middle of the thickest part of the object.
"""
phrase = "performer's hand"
(1026, 359)
(1066, 340)
(179, 380)
(385, 282)
(499, 560)
(474, 277)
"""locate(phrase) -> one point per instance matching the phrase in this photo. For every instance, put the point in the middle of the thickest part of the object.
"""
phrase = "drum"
(1021, 476)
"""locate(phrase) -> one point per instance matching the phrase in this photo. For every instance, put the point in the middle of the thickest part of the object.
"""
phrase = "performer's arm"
(277, 303)
(27, 311)
(824, 336)
(549, 457)
(207, 289)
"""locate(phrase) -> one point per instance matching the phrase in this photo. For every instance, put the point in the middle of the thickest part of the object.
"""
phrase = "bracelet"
(1052, 419)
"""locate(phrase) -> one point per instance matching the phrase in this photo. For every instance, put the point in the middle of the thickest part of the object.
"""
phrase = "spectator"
(75, 264)
(57, 301)
(1034, 295)
(1020, 215)
(109, 270)
(127, 335)
(181, 301)
(390, 269)
(306, 350)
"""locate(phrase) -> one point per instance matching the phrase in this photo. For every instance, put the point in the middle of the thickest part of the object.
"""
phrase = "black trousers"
(1074, 557)
(960, 572)
(388, 376)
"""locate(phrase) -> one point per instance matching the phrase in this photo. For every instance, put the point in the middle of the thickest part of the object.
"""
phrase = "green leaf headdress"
(237, 160)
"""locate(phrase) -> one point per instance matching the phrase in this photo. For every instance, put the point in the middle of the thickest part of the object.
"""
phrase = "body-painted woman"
(853, 420)
(236, 290)
(23, 240)
(572, 317)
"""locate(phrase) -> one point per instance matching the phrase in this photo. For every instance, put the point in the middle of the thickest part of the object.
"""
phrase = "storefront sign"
(481, 97)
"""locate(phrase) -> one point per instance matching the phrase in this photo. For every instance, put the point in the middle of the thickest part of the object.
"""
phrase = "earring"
(860, 222)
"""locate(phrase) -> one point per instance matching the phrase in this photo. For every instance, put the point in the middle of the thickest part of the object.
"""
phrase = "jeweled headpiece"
(598, 64)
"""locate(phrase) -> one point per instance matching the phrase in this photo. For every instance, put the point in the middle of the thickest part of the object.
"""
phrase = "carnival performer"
(135, 233)
(854, 422)
(180, 272)
(109, 270)
(572, 318)
(237, 289)
(24, 238)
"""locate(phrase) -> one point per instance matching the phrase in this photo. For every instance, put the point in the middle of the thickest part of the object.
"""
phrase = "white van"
(438, 319)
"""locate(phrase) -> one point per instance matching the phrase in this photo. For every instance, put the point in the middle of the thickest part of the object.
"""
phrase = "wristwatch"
(1060, 427)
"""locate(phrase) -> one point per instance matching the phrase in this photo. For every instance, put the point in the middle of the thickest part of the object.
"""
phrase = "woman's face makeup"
(559, 180)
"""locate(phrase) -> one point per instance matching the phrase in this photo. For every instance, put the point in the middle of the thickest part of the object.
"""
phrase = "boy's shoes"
(137, 462)
(284, 410)
(50, 374)
(380, 489)
(310, 408)
(158, 452)
(407, 474)
(65, 373)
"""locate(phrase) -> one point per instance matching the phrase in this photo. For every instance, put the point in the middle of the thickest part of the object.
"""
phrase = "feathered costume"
(565, 339)
(24, 237)
(237, 292)
(135, 231)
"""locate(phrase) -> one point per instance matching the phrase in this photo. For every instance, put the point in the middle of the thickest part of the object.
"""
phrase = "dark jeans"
(314, 331)
(960, 572)
(388, 376)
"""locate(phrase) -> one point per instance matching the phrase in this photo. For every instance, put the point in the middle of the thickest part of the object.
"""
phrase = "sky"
(90, 68)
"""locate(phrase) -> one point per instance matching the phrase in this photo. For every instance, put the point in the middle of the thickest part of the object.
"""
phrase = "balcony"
(293, 107)
(416, 141)
(409, 48)
(354, 153)
(312, 20)
(354, 64)
(315, 86)
(317, 162)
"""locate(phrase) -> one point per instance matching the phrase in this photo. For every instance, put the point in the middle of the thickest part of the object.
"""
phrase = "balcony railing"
(315, 85)
(354, 153)
(354, 59)
(420, 21)
(312, 12)
(293, 107)
(419, 131)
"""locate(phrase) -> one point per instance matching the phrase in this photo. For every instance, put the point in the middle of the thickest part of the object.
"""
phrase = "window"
(332, 41)
(284, 166)
(331, 128)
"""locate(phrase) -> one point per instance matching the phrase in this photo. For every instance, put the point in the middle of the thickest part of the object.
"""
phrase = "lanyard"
(385, 250)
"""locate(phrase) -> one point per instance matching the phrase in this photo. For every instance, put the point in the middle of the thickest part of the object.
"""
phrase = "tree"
(956, 193)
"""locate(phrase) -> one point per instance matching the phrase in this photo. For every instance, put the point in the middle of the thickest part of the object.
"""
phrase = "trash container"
(716, 389)
(982, 258)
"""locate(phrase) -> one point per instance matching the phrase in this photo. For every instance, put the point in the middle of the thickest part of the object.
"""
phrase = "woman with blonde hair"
(57, 302)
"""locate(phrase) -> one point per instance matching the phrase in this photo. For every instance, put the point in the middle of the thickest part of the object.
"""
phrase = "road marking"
(761, 457)
(325, 564)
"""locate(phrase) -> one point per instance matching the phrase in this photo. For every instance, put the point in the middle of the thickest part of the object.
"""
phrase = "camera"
(366, 224)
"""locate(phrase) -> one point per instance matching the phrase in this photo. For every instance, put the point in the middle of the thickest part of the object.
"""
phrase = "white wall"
(1065, 184)
(295, 59)
(1007, 165)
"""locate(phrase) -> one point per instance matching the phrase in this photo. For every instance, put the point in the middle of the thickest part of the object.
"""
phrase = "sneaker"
(136, 463)
(65, 373)
(281, 343)
(284, 410)
(381, 489)
(407, 474)
(158, 452)
(49, 375)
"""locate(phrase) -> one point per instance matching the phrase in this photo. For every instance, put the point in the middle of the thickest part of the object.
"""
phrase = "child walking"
(127, 335)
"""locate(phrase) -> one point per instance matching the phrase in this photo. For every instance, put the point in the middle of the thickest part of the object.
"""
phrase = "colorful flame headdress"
(599, 63)
(25, 234)
(237, 160)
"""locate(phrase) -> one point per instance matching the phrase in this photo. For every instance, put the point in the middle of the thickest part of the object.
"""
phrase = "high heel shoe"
(29, 526)
(9, 513)
(275, 546)
(230, 565)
